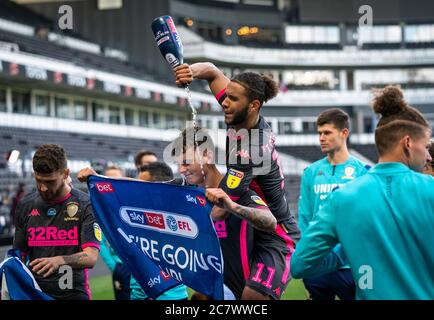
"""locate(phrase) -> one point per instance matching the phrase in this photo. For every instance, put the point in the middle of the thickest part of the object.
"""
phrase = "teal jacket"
(110, 258)
(108, 255)
(176, 293)
(385, 223)
(319, 179)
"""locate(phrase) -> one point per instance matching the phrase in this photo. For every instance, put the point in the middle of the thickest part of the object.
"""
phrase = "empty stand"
(368, 150)
(78, 146)
(85, 59)
(308, 153)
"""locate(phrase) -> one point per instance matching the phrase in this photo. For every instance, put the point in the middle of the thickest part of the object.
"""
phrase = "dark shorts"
(121, 282)
(338, 283)
(269, 267)
(237, 243)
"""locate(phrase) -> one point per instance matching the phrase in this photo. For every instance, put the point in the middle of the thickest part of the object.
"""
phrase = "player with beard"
(55, 226)
(249, 227)
(252, 164)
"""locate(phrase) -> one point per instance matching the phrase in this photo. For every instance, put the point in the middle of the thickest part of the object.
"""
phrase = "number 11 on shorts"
(257, 277)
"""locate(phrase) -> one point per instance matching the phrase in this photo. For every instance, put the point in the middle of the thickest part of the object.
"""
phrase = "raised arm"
(83, 174)
(217, 81)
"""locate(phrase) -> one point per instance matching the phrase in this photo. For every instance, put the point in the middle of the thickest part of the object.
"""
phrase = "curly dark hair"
(49, 158)
(390, 104)
(258, 86)
(397, 119)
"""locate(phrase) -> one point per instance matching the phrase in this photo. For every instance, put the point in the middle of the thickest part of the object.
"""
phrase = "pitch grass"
(102, 289)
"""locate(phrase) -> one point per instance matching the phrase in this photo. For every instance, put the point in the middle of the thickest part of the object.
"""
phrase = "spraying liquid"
(194, 117)
(190, 103)
(169, 42)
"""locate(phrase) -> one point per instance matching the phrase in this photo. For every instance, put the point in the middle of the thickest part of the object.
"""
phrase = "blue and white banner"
(162, 232)
(17, 281)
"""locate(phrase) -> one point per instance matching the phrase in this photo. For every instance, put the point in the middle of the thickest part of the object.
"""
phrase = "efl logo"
(165, 222)
(104, 187)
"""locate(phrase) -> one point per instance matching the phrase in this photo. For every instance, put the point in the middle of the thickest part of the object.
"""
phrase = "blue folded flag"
(163, 233)
(17, 281)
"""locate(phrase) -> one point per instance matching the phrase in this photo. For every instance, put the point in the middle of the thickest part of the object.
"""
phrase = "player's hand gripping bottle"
(168, 40)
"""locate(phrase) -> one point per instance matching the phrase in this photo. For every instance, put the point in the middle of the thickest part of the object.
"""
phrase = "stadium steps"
(77, 146)
(307, 153)
(368, 150)
(52, 50)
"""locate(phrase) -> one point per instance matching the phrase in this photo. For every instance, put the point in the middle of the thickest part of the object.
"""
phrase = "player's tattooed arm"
(85, 259)
(259, 218)
(47, 266)
(75, 259)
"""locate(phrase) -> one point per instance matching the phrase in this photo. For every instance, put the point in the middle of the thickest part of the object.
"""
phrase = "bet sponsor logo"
(200, 200)
(164, 275)
(165, 222)
(104, 187)
(157, 280)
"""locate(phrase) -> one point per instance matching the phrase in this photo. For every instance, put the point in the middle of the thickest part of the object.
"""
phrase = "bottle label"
(173, 61)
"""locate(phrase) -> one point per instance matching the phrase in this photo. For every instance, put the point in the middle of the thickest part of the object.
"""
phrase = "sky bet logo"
(157, 280)
(165, 222)
(198, 200)
(104, 187)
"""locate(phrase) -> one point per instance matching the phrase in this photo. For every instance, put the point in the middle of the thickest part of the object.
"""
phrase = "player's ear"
(345, 133)
(209, 157)
(255, 105)
(65, 173)
(406, 144)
